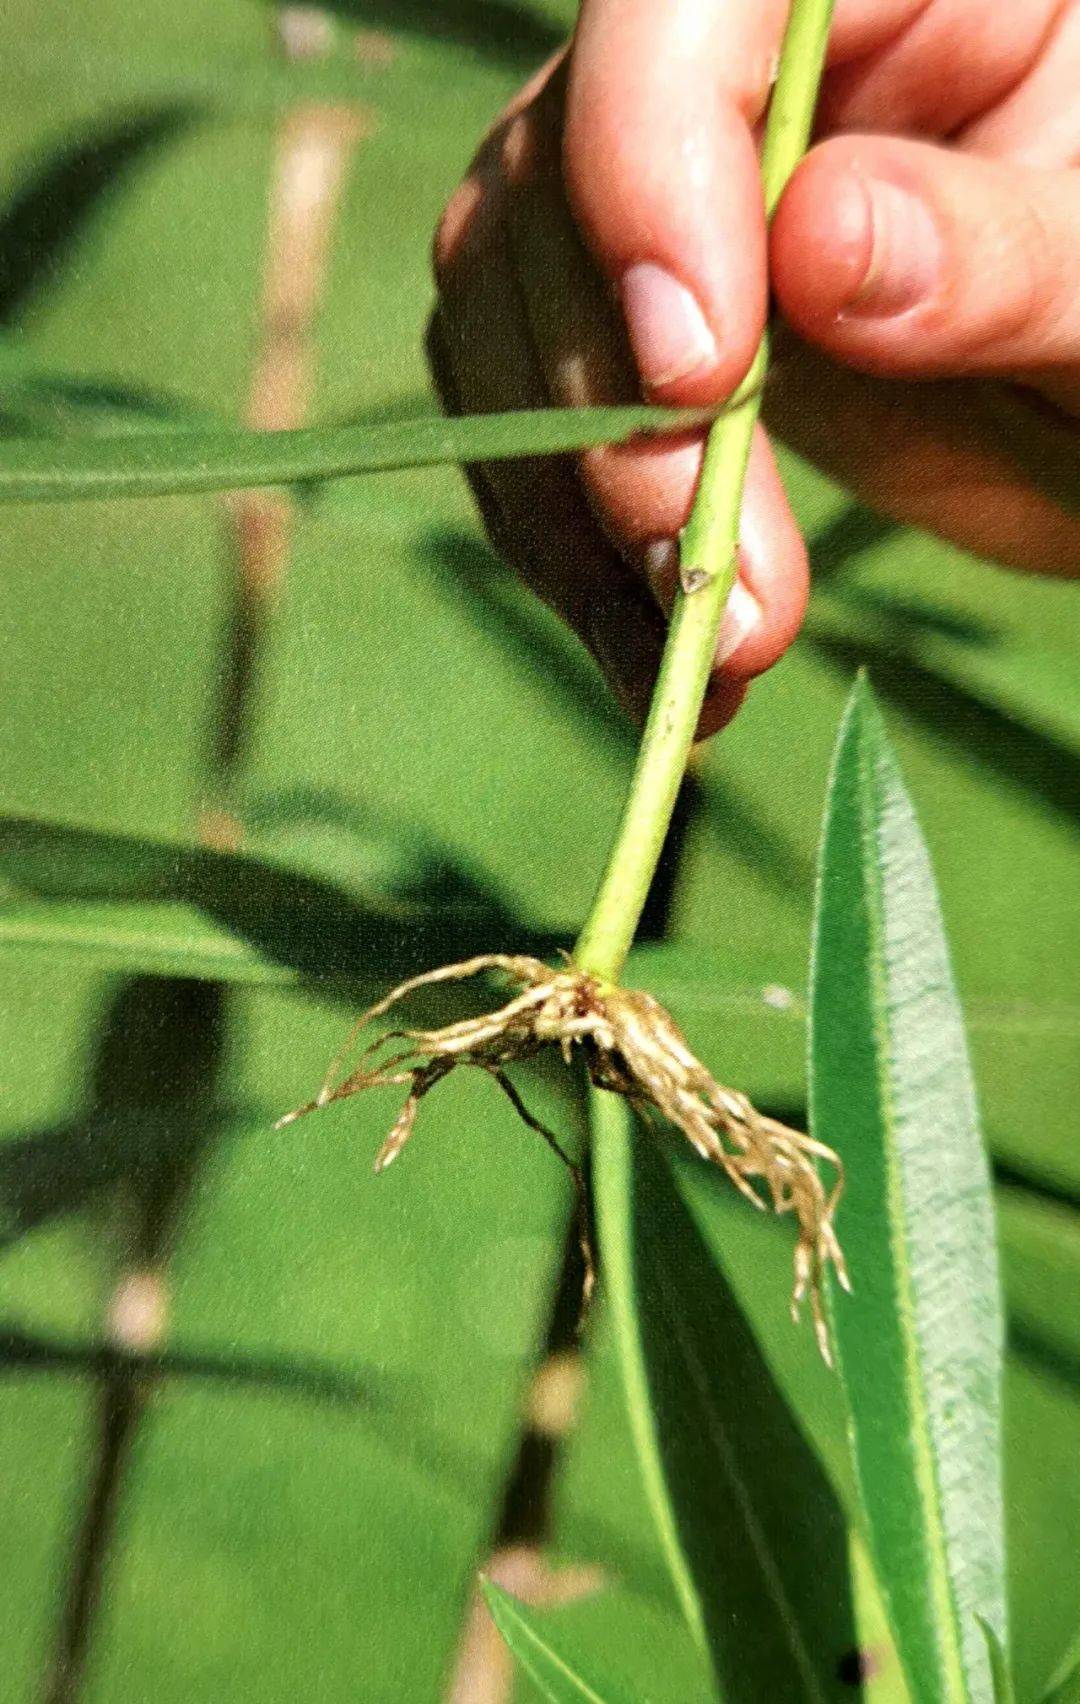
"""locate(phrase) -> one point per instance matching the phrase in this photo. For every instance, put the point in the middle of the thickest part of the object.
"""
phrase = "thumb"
(662, 175)
(912, 261)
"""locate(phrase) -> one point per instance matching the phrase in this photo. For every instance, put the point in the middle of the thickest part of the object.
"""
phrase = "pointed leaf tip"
(561, 1679)
(1000, 1673)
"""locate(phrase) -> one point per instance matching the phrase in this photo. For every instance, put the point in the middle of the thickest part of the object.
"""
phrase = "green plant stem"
(707, 556)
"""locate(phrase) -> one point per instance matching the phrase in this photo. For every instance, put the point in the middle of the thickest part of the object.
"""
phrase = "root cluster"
(632, 1047)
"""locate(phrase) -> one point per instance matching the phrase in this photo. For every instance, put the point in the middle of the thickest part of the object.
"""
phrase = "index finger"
(661, 169)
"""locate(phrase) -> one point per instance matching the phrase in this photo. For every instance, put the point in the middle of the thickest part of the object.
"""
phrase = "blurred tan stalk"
(313, 149)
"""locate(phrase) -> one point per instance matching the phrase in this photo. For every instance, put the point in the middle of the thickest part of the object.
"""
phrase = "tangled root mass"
(632, 1047)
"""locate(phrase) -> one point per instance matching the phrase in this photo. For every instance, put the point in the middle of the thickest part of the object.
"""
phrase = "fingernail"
(669, 333)
(660, 559)
(905, 252)
(742, 614)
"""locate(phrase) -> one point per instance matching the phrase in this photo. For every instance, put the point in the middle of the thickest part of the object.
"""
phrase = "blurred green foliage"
(320, 1459)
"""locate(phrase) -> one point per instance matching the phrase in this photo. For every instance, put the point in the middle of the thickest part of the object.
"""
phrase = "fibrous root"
(632, 1047)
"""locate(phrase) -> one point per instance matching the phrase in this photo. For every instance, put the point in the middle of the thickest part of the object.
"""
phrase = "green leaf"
(1024, 680)
(920, 1341)
(153, 940)
(620, 1642)
(36, 401)
(1039, 1235)
(1011, 710)
(1004, 1692)
(539, 642)
(155, 464)
(751, 1532)
(557, 1678)
(310, 1382)
(642, 1647)
(42, 221)
(507, 31)
(1065, 1686)
(129, 902)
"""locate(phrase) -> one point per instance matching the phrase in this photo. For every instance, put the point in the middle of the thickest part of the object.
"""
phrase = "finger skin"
(545, 529)
(641, 492)
(1038, 124)
(861, 27)
(534, 509)
(992, 260)
(972, 464)
(660, 163)
(772, 565)
(951, 61)
(516, 279)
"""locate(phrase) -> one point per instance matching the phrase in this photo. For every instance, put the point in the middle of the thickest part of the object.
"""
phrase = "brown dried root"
(632, 1047)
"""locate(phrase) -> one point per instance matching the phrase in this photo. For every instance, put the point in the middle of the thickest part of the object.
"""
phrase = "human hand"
(610, 239)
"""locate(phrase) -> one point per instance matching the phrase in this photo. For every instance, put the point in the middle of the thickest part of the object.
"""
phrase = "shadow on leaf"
(24, 1352)
(758, 1523)
(468, 568)
(45, 217)
(318, 928)
(505, 31)
(39, 402)
(850, 534)
(47, 1173)
(1023, 757)
(910, 614)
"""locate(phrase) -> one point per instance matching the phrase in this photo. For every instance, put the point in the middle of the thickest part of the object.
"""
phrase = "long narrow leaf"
(1065, 1686)
(155, 464)
(920, 1342)
(130, 902)
(1004, 1692)
(755, 1542)
(560, 1680)
(148, 940)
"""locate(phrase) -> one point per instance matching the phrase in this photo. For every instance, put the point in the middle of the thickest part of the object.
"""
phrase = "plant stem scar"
(693, 580)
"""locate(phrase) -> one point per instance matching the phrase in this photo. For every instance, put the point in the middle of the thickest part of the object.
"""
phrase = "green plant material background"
(323, 1464)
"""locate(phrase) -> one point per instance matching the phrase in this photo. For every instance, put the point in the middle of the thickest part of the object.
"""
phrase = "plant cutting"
(632, 1046)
